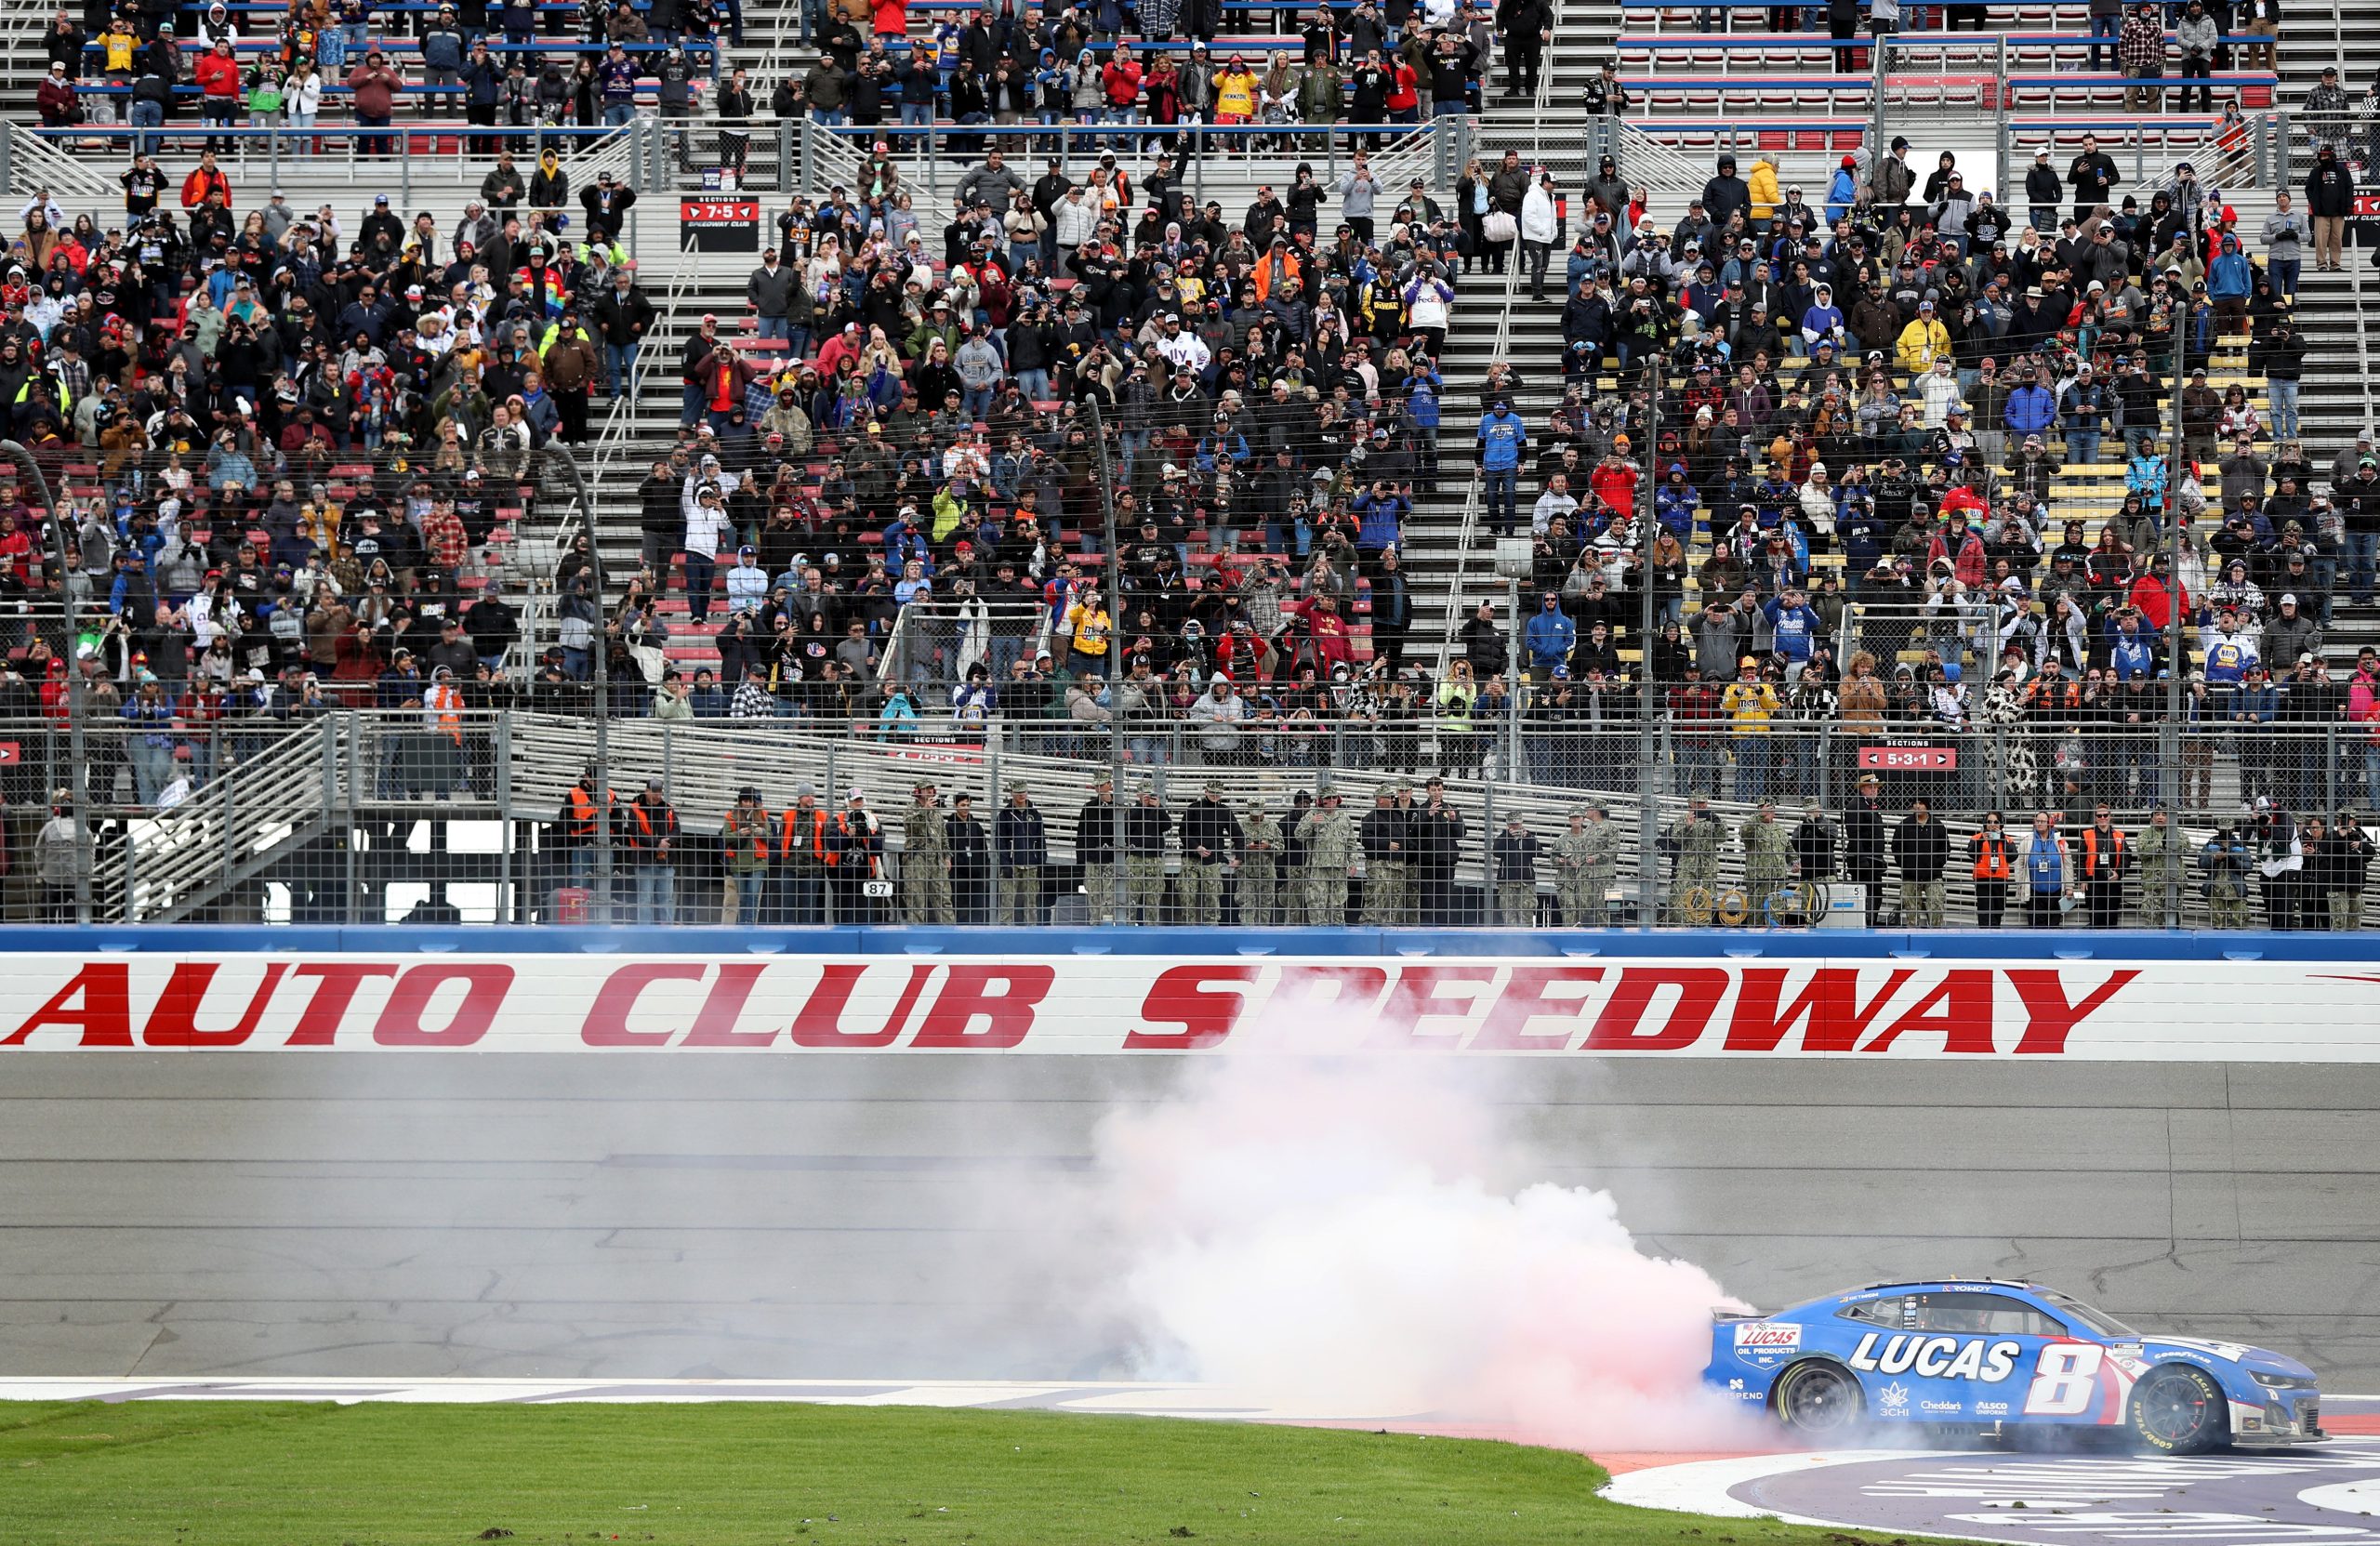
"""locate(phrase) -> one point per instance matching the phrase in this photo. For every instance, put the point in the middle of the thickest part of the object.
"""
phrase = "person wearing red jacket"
(1963, 500)
(1326, 642)
(55, 99)
(375, 88)
(1119, 86)
(1613, 481)
(218, 75)
(2153, 595)
(204, 179)
(1958, 544)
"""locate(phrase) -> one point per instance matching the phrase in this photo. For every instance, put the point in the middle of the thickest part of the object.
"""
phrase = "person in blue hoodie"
(1381, 509)
(1822, 320)
(1503, 442)
(1549, 637)
(2030, 410)
(1422, 387)
(1676, 504)
(2227, 285)
(1844, 192)
(1795, 627)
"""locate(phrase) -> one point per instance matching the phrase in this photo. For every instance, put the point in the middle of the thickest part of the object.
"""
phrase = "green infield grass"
(255, 1473)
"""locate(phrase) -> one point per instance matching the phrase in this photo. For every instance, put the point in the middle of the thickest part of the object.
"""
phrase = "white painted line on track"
(1143, 1398)
(1704, 1486)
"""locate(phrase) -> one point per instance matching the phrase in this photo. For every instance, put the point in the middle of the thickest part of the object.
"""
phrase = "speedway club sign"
(2143, 1012)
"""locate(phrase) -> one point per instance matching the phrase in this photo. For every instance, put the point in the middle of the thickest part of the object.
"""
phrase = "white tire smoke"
(1345, 1239)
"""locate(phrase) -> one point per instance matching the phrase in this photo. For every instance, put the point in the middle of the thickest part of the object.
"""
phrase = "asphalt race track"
(2327, 1494)
(882, 1217)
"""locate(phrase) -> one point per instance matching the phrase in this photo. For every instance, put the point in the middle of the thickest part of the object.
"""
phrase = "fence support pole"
(77, 696)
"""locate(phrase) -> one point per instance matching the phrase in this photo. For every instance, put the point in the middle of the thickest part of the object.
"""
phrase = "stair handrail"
(176, 861)
(1456, 600)
(2355, 267)
(34, 161)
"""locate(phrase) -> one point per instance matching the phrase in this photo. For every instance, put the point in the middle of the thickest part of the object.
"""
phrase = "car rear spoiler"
(1722, 1318)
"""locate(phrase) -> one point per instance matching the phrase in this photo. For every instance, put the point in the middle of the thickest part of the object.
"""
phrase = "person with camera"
(1695, 841)
(1867, 844)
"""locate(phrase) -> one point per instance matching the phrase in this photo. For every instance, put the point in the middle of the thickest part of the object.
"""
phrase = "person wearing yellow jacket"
(1751, 701)
(1235, 92)
(1765, 196)
(1924, 341)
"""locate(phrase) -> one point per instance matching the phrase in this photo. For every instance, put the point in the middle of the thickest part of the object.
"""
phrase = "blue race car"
(1981, 1353)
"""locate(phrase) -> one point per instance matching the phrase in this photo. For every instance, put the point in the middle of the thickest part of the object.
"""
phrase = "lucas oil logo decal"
(1764, 1345)
(1936, 1357)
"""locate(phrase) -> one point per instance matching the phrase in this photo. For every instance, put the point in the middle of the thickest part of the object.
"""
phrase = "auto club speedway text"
(2083, 1008)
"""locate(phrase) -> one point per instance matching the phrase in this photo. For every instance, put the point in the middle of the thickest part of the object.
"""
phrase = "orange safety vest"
(582, 813)
(2090, 851)
(760, 842)
(790, 820)
(644, 820)
(447, 705)
(1991, 855)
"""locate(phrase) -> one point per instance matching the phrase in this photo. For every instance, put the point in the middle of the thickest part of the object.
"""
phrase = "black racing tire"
(1819, 1399)
(2179, 1410)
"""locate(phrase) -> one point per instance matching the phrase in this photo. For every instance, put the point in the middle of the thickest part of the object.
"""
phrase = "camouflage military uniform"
(1260, 867)
(2150, 854)
(1768, 859)
(1697, 841)
(1584, 864)
(1330, 852)
(925, 862)
(1387, 873)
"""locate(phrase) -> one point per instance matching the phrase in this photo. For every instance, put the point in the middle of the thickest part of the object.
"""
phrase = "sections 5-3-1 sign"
(719, 225)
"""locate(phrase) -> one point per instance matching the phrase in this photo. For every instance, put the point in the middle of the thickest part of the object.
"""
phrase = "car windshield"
(2096, 1319)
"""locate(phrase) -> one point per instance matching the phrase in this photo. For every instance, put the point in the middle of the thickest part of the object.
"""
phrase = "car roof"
(1908, 1283)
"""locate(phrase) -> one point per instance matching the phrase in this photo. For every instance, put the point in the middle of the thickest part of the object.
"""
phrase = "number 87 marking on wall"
(2064, 1380)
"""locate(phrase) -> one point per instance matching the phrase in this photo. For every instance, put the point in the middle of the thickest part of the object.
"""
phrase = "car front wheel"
(1819, 1400)
(2179, 1410)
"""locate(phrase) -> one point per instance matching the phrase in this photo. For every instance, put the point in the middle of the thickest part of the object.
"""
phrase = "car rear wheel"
(2179, 1410)
(1819, 1400)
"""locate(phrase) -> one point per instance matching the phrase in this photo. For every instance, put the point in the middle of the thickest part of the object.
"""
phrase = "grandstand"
(619, 629)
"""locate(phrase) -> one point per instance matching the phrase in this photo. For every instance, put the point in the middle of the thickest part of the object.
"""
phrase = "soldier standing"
(1697, 837)
(1260, 865)
(1297, 868)
(1408, 908)
(1331, 854)
(1020, 852)
(1211, 845)
(1511, 864)
(1585, 860)
(925, 857)
(2349, 869)
(1382, 837)
(1145, 828)
(2151, 853)
(2225, 860)
(1768, 859)
(1098, 827)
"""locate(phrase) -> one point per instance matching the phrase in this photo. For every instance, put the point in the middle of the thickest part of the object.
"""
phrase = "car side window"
(1981, 1314)
(1878, 1311)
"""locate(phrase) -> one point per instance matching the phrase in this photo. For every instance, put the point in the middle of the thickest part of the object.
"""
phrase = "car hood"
(2242, 1354)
